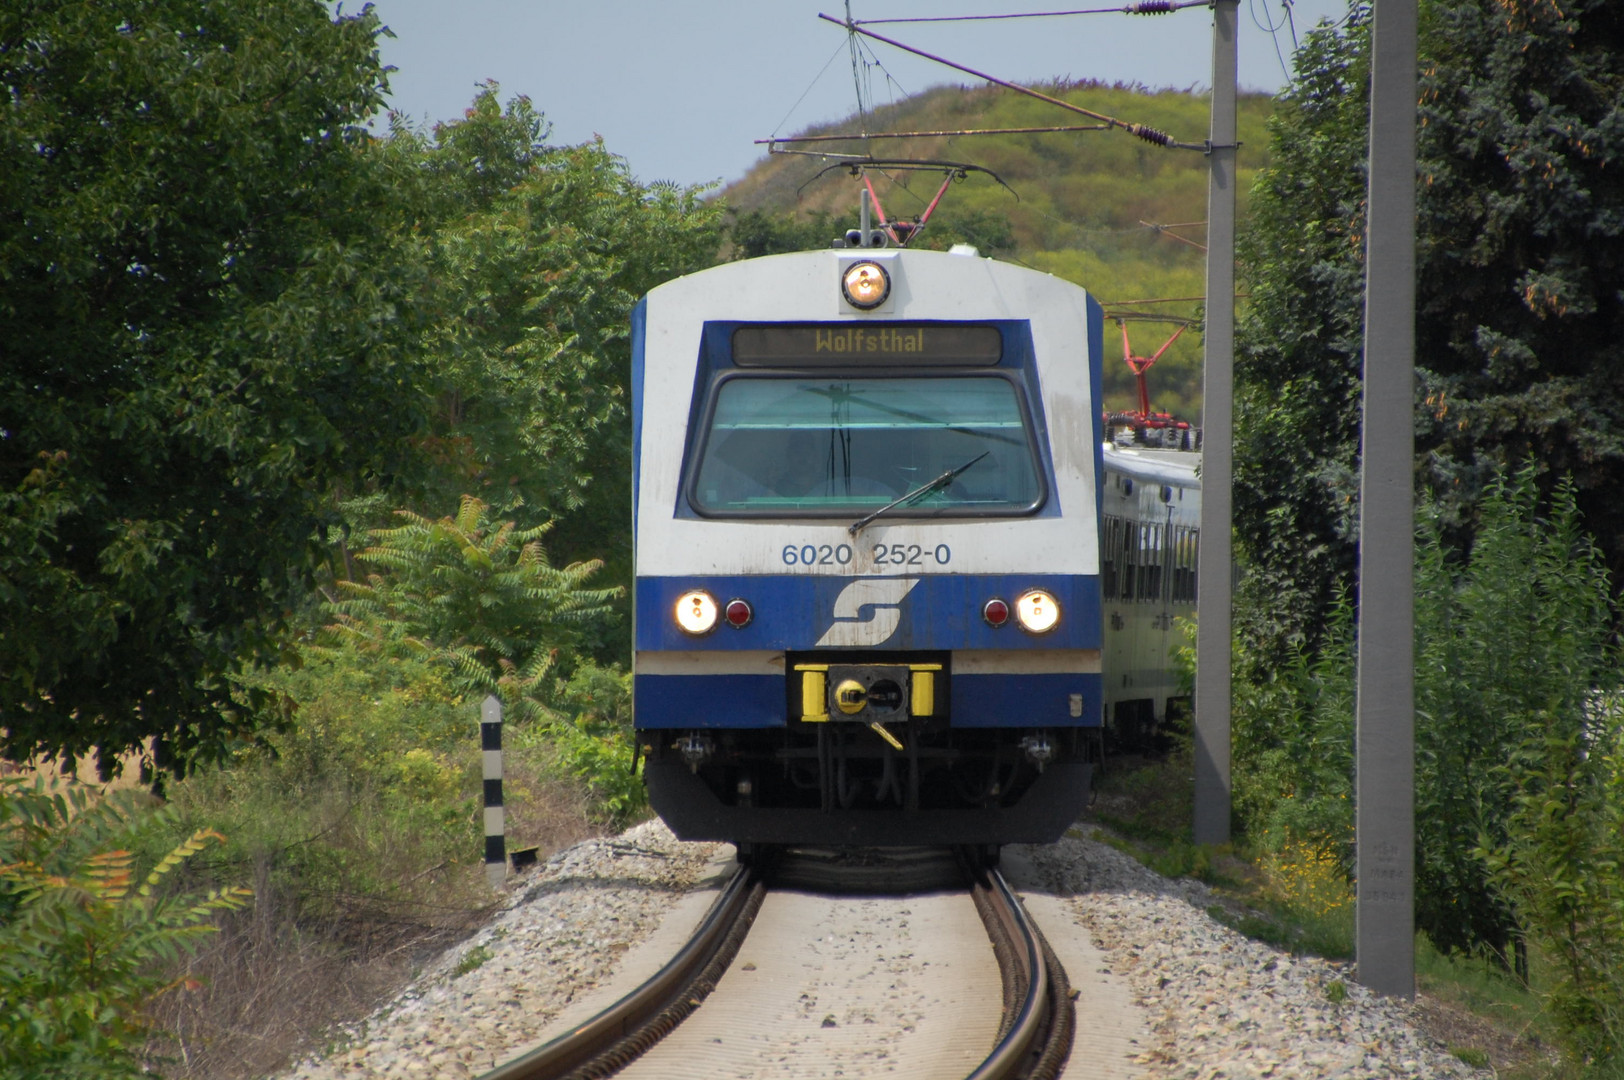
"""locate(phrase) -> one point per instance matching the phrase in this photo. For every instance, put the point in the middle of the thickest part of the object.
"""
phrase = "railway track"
(1033, 1032)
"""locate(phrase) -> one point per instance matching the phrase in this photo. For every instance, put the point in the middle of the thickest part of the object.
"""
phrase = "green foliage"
(1519, 326)
(1293, 742)
(478, 602)
(1471, 1055)
(230, 313)
(1298, 356)
(472, 960)
(1513, 641)
(365, 807)
(207, 307)
(1520, 633)
(363, 812)
(479, 596)
(758, 233)
(84, 936)
(1150, 803)
(539, 254)
(594, 737)
(1561, 865)
(1476, 984)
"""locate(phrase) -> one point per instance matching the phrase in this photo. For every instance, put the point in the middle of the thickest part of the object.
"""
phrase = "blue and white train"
(868, 500)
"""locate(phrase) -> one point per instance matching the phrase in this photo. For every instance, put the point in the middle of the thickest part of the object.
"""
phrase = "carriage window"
(813, 446)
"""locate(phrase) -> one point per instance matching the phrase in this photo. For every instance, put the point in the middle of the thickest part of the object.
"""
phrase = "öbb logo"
(883, 597)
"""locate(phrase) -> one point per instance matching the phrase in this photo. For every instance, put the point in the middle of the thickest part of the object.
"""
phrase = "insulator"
(1150, 134)
(1150, 7)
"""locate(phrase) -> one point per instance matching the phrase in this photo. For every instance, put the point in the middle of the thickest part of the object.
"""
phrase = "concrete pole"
(1385, 768)
(1213, 577)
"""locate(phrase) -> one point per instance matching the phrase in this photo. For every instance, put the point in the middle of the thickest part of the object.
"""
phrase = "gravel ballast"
(1215, 1004)
(1220, 1004)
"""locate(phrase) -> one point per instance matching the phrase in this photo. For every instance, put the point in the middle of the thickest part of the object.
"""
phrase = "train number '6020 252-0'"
(882, 554)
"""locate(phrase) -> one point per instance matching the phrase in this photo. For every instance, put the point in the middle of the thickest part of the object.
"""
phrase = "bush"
(86, 949)
(1562, 868)
(1294, 744)
(596, 742)
(1512, 643)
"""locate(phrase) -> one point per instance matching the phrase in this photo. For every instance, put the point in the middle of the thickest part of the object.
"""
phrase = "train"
(892, 579)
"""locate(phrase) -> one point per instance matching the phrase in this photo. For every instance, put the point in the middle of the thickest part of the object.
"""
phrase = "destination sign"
(878, 343)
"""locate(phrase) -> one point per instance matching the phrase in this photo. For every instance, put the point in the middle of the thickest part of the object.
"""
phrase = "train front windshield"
(829, 446)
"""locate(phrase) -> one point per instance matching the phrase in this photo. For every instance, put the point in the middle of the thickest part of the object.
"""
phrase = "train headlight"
(695, 612)
(865, 285)
(1037, 612)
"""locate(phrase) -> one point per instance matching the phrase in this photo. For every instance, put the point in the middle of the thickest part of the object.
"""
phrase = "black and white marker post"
(490, 745)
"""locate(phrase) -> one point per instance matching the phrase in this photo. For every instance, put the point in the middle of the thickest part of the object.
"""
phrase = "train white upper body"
(802, 288)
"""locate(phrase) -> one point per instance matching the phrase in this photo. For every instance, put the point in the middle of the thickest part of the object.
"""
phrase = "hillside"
(1073, 207)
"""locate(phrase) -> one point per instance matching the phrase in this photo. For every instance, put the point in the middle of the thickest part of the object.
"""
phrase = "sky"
(681, 90)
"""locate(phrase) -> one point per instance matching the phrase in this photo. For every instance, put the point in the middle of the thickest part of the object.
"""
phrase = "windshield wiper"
(917, 493)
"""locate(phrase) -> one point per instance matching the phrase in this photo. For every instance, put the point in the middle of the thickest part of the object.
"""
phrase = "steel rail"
(1036, 1035)
(608, 1041)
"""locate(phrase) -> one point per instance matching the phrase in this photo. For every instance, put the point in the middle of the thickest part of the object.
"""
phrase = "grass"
(365, 854)
(472, 960)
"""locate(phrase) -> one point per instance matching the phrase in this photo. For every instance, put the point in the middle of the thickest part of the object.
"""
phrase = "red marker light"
(996, 612)
(738, 614)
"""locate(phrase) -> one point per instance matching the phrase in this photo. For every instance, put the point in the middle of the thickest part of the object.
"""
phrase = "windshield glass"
(851, 445)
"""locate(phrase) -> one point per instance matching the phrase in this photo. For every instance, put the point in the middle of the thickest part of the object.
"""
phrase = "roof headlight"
(695, 612)
(865, 285)
(1037, 612)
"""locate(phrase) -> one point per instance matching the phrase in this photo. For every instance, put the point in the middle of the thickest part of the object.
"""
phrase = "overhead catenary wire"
(1143, 7)
(821, 72)
(1273, 30)
(1142, 131)
(863, 75)
(1167, 230)
(1135, 316)
(934, 134)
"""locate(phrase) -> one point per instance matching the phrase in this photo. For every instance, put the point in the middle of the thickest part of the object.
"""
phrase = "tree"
(1520, 318)
(758, 232)
(1520, 289)
(205, 326)
(476, 595)
(1299, 346)
(1521, 322)
(539, 253)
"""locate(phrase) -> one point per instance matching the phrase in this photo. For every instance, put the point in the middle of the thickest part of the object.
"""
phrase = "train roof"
(925, 285)
(1178, 468)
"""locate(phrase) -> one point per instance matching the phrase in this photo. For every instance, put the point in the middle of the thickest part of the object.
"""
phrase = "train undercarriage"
(843, 783)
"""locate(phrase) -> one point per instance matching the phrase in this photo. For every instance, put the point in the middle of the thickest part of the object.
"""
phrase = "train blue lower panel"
(1066, 699)
(1027, 700)
(928, 611)
(710, 701)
